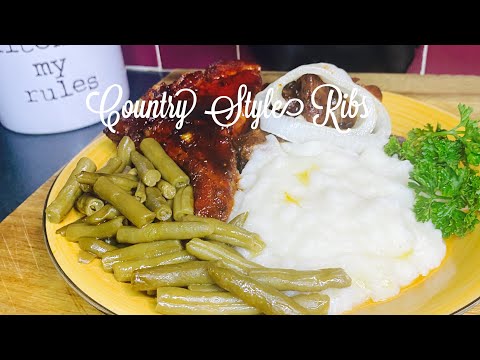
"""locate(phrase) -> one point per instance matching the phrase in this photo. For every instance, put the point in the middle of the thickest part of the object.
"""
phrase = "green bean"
(126, 182)
(205, 288)
(88, 204)
(316, 304)
(225, 246)
(140, 193)
(146, 171)
(113, 241)
(245, 239)
(108, 212)
(91, 178)
(239, 220)
(184, 274)
(176, 204)
(167, 189)
(102, 231)
(297, 280)
(85, 257)
(265, 298)
(94, 246)
(140, 251)
(170, 205)
(134, 211)
(155, 192)
(124, 149)
(109, 168)
(205, 250)
(70, 192)
(86, 188)
(170, 171)
(63, 230)
(133, 172)
(157, 203)
(163, 231)
(183, 203)
(123, 270)
(254, 245)
(178, 301)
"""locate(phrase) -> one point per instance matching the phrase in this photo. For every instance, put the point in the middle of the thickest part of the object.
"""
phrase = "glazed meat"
(203, 149)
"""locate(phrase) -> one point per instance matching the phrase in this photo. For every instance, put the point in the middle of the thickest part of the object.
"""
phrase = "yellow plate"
(451, 288)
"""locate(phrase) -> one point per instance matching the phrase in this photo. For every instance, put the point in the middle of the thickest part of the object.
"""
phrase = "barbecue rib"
(204, 150)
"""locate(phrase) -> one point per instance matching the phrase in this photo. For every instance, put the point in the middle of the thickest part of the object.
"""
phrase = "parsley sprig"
(444, 177)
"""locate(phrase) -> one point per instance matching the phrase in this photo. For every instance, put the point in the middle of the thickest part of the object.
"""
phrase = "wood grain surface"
(30, 283)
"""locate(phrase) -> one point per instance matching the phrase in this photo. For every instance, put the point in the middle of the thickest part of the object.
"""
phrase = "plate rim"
(107, 311)
(59, 269)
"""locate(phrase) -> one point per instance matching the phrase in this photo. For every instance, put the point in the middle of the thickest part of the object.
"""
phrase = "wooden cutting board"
(30, 284)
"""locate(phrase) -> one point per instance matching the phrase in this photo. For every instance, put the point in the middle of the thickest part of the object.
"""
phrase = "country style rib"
(204, 150)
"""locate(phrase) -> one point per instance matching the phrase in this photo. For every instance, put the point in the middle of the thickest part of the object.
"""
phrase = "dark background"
(354, 58)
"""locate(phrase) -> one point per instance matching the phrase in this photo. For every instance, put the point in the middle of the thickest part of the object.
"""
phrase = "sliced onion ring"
(374, 129)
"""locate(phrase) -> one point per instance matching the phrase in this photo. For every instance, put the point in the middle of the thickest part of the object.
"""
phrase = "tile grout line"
(424, 60)
(237, 48)
(159, 57)
(146, 68)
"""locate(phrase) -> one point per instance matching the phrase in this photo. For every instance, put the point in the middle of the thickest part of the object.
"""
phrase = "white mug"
(43, 88)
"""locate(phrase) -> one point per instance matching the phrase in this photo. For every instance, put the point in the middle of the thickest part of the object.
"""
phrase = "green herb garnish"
(446, 184)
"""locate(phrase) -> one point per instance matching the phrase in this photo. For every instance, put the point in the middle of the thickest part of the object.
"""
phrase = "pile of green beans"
(183, 203)
(158, 204)
(139, 223)
(230, 234)
(146, 171)
(140, 251)
(88, 204)
(206, 250)
(123, 270)
(95, 246)
(141, 193)
(170, 171)
(70, 192)
(112, 165)
(128, 192)
(167, 189)
(124, 149)
(101, 231)
(124, 181)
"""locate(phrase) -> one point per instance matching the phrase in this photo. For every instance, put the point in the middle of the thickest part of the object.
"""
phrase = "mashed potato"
(317, 205)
